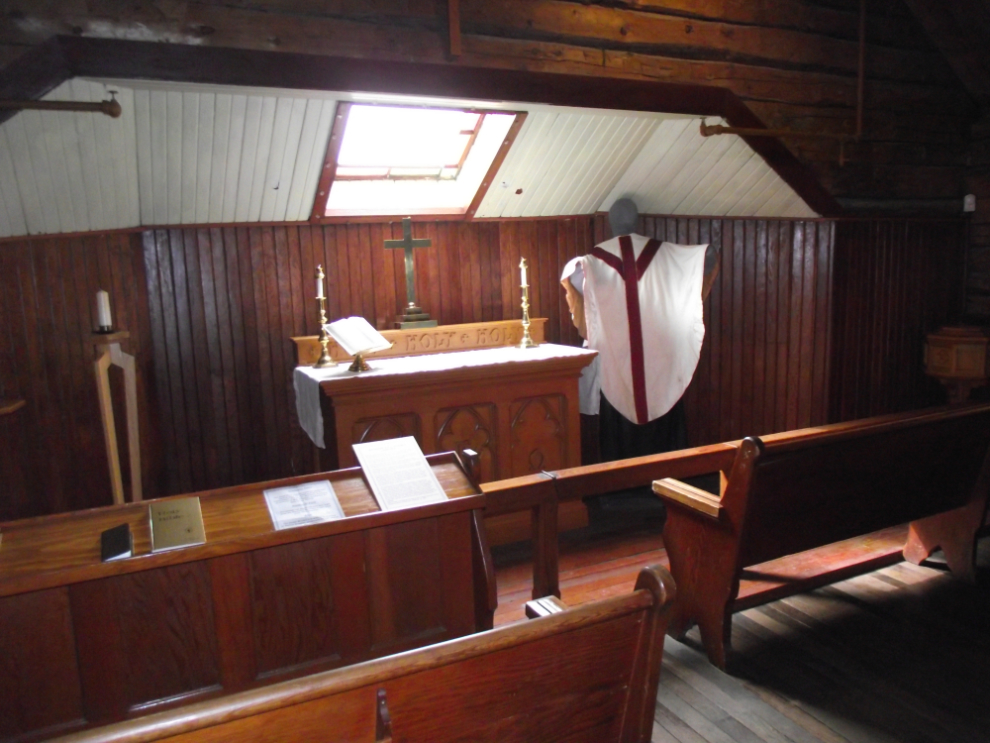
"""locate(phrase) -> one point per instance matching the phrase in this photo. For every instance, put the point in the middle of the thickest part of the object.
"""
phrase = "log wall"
(793, 63)
(211, 310)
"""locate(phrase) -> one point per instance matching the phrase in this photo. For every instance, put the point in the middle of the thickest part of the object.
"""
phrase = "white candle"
(103, 309)
(319, 283)
(522, 265)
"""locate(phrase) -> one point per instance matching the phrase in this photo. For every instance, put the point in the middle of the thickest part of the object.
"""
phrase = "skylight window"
(394, 142)
(399, 160)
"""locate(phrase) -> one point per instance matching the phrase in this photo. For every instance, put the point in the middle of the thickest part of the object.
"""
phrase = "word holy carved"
(438, 340)
(413, 317)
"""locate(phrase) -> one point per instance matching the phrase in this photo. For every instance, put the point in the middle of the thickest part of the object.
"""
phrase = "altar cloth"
(306, 379)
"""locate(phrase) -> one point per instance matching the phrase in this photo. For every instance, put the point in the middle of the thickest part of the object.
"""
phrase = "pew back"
(787, 505)
(89, 643)
(585, 674)
(823, 490)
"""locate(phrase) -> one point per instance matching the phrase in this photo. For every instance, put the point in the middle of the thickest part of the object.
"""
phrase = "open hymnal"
(177, 522)
(356, 335)
(303, 504)
(398, 473)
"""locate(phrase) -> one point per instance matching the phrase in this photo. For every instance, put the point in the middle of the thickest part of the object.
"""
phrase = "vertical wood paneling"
(766, 326)
(47, 288)
(807, 322)
(894, 280)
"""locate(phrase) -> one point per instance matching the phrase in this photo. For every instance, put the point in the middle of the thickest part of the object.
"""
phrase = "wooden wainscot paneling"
(53, 446)
(895, 281)
(763, 365)
(228, 406)
(790, 325)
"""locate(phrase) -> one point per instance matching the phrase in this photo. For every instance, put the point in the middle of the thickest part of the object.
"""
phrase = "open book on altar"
(356, 335)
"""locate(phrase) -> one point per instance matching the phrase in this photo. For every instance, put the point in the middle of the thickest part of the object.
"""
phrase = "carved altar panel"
(538, 439)
(470, 427)
(440, 339)
(384, 427)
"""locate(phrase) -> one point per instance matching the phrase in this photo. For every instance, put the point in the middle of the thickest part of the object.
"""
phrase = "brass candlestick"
(527, 340)
(325, 360)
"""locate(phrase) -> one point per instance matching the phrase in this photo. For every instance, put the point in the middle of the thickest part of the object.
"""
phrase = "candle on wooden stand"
(103, 311)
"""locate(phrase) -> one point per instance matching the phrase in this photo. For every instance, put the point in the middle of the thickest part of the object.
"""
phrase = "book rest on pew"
(97, 642)
(584, 675)
(788, 503)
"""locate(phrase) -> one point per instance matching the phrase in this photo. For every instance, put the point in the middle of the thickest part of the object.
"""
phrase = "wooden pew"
(86, 643)
(784, 497)
(584, 674)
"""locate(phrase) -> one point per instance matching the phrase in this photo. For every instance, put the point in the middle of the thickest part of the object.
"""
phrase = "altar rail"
(543, 492)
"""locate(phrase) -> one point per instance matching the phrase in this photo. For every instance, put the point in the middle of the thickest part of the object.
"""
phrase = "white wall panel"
(680, 172)
(220, 157)
(235, 156)
(194, 154)
(14, 223)
(204, 156)
(565, 162)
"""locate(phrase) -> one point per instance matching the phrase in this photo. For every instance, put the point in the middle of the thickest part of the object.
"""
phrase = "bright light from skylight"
(397, 160)
(389, 141)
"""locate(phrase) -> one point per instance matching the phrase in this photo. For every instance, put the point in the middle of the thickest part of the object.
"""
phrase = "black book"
(116, 543)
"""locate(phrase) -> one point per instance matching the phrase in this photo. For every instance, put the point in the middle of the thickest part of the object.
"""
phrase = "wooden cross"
(407, 244)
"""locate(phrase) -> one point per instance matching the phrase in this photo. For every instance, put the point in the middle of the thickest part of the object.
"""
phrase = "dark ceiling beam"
(115, 58)
(33, 74)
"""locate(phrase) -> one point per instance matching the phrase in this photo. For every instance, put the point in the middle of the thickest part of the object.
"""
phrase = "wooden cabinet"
(84, 642)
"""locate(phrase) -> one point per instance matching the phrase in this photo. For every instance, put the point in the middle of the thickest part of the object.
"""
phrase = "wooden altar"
(517, 408)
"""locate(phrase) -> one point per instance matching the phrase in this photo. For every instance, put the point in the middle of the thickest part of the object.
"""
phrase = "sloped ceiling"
(198, 154)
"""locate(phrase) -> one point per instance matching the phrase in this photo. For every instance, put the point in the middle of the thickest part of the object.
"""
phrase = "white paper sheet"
(398, 473)
(304, 504)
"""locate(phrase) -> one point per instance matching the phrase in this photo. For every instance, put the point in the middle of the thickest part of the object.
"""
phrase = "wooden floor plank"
(802, 720)
(674, 727)
(731, 695)
(712, 706)
(855, 682)
(896, 655)
(707, 729)
(855, 656)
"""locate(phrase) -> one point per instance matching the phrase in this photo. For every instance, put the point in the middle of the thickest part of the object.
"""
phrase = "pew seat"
(584, 674)
(786, 503)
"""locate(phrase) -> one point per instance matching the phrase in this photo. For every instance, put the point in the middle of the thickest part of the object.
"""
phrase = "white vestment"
(589, 387)
(643, 309)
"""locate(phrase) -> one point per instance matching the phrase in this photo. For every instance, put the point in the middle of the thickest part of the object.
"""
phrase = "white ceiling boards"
(204, 154)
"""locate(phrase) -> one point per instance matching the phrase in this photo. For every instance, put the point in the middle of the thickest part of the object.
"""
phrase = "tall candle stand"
(324, 360)
(527, 340)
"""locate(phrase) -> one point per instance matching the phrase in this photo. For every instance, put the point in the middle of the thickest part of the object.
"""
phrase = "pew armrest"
(544, 607)
(695, 499)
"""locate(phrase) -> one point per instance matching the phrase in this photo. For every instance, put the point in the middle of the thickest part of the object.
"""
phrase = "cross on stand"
(414, 316)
